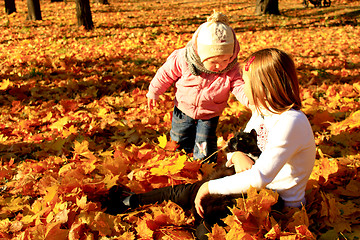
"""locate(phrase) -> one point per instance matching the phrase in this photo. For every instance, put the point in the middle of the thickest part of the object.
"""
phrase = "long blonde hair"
(273, 80)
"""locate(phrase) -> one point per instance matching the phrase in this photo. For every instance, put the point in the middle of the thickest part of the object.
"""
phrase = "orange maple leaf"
(304, 232)
(77, 231)
(322, 119)
(83, 149)
(299, 217)
(217, 233)
(53, 231)
(274, 233)
(143, 229)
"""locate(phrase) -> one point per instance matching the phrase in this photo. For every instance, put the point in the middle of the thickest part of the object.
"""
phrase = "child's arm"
(237, 86)
(165, 76)
(240, 161)
(202, 192)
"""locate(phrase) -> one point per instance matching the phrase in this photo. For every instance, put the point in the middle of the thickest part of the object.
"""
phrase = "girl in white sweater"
(284, 134)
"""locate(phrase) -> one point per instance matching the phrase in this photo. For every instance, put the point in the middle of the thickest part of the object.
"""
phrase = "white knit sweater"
(286, 161)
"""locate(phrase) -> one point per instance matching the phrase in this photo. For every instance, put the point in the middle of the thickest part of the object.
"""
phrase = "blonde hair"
(273, 80)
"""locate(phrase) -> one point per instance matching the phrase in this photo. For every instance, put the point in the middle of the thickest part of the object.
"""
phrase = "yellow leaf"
(3, 138)
(81, 202)
(60, 206)
(4, 84)
(82, 147)
(83, 150)
(48, 117)
(4, 225)
(178, 166)
(68, 132)
(50, 217)
(162, 141)
(102, 112)
(166, 168)
(217, 232)
(63, 216)
(351, 122)
(16, 226)
(90, 167)
(59, 125)
(356, 86)
(64, 169)
(51, 193)
(111, 181)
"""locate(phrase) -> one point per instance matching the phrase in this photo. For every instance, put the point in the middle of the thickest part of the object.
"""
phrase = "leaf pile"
(74, 121)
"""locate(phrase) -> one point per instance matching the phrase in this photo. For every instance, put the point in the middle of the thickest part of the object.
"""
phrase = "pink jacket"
(199, 97)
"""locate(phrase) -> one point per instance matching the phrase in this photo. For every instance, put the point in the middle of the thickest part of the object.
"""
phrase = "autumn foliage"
(74, 121)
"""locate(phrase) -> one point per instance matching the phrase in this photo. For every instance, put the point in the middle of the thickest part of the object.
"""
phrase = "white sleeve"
(283, 142)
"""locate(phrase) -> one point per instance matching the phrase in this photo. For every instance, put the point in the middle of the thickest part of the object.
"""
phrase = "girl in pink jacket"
(204, 73)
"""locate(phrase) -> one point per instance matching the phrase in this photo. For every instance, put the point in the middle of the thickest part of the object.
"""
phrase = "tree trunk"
(83, 14)
(267, 7)
(34, 11)
(10, 6)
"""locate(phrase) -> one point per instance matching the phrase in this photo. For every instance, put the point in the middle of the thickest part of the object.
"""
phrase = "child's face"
(217, 63)
(247, 87)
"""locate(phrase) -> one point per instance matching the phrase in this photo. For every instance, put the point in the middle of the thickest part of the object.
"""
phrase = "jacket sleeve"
(237, 86)
(166, 75)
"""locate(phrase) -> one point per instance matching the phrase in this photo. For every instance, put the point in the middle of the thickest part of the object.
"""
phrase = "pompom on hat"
(215, 37)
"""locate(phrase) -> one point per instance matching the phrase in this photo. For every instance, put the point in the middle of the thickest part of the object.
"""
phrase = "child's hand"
(151, 103)
(241, 162)
(202, 192)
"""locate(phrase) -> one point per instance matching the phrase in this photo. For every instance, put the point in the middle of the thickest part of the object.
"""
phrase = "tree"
(83, 14)
(10, 6)
(267, 7)
(34, 11)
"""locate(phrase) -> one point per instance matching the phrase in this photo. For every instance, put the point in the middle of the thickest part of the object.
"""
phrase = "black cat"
(215, 206)
(244, 142)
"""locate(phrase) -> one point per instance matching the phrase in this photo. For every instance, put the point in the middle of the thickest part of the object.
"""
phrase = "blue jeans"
(195, 135)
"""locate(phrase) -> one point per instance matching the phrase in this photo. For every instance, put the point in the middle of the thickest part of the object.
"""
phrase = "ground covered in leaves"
(73, 120)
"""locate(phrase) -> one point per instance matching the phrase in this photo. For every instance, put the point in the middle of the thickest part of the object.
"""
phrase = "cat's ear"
(253, 133)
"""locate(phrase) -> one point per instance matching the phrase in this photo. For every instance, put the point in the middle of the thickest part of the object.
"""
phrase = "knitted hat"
(215, 37)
